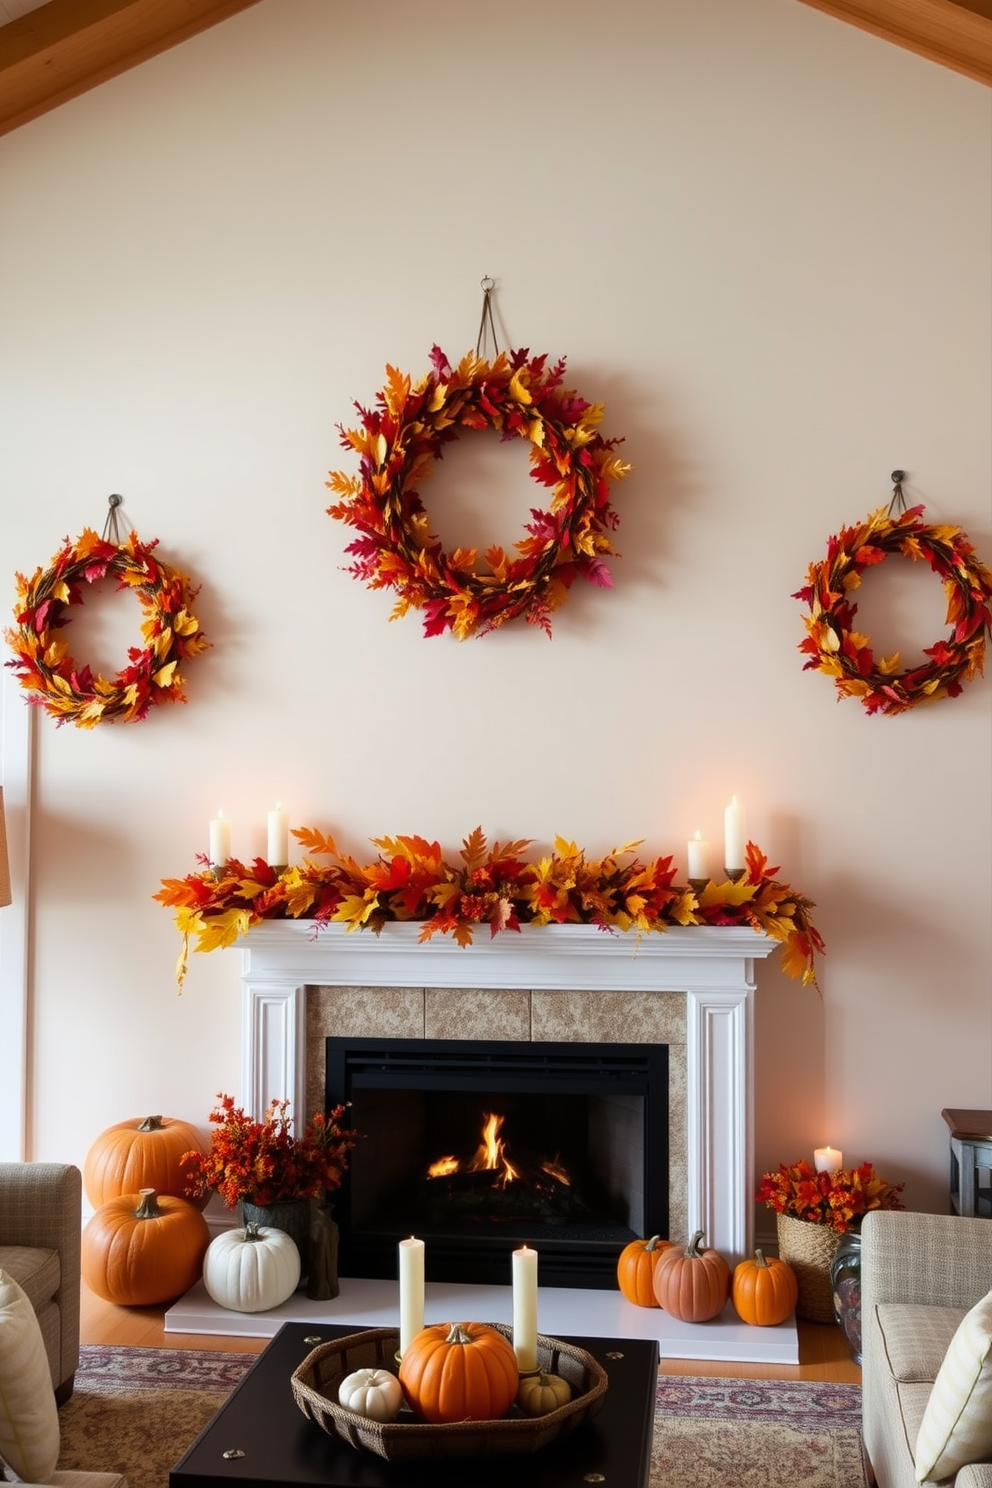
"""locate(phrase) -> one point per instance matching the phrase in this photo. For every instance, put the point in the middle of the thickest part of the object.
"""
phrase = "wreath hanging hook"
(487, 284)
(111, 527)
(898, 502)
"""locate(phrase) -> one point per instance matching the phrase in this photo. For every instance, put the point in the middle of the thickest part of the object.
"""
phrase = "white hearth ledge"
(591, 1314)
(712, 965)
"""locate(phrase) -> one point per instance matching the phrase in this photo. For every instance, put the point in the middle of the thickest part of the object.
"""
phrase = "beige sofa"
(40, 1229)
(920, 1274)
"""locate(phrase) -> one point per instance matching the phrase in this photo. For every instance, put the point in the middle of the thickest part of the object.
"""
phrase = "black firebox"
(479, 1147)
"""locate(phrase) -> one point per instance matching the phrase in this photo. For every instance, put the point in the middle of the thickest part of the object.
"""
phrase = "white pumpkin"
(251, 1269)
(371, 1392)
(540, 1394)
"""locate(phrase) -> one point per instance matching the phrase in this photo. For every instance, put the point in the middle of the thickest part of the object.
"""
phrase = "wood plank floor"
(823, 1351)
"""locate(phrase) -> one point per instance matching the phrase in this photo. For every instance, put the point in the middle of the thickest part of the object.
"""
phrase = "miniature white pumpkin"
(251, 1269)
(540, 1394)
(371, 1392)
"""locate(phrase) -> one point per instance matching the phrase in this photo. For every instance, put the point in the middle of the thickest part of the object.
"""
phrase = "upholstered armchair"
(40, 1227)
(921, 1276)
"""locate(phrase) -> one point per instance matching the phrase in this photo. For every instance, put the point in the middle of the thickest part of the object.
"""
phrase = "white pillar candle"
(525, 1308)
(411, 1290)
(277, 851)
(828, 1159)
(733, 836)
(220, 839)
(698, 853)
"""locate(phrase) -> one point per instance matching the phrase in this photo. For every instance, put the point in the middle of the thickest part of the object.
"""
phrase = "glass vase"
(845, 1281)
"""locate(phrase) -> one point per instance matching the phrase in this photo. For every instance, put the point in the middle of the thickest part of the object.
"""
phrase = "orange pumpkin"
(692, 1284)
(137, 1154)
(635, 1269)
(764, 1292)
(459, 1372)
(141, 1249)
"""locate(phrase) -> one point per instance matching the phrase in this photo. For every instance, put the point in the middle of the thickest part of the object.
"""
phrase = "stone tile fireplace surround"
(691, 989)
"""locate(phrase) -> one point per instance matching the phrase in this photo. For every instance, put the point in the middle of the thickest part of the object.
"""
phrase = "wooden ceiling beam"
(957, 35)
(69, 46)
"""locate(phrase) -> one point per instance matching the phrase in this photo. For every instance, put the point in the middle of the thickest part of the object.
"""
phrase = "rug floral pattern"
(136, 1411)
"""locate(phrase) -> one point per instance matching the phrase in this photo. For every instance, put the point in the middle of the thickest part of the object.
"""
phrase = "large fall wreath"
(836, 648)
(397, 442)
(45, 667)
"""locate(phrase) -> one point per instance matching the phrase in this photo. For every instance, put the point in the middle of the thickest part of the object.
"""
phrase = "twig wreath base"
(836, 648)
(405, 432)
(493, 886)
(72, 693)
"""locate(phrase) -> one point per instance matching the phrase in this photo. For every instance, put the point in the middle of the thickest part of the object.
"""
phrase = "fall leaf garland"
(45, 668)
(836, 648)
(406, 431)
(496, 886)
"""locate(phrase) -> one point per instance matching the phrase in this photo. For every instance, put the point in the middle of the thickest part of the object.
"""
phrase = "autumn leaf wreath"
(399, 439)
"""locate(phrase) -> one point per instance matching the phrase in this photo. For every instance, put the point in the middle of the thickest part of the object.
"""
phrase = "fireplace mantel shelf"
(565, 957)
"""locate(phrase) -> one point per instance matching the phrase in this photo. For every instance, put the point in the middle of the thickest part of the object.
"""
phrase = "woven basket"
(809, 1250)
(315, 1388)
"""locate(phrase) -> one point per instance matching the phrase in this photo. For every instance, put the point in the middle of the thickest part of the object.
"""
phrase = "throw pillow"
(957, 1424)
(29, 1418)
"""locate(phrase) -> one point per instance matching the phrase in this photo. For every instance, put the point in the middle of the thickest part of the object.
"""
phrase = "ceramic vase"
(322, 1255)
(291, 1215)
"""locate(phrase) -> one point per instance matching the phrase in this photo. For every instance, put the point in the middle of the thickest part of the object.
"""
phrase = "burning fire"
(491, 1156)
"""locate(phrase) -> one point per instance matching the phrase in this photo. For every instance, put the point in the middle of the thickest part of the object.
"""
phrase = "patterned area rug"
(135, 1411)
(724, 1433)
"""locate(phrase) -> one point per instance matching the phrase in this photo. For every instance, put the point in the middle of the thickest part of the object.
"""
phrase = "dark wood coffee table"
(282, 1449)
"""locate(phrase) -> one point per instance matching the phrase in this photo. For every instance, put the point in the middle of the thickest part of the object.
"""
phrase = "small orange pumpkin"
(141, 1153)
(141, 1249)
(692, 1284)
(635, 1269)
(459, 1372)
(764, 1292)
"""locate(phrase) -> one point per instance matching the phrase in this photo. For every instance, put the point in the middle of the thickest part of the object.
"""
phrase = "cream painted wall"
(763, 239)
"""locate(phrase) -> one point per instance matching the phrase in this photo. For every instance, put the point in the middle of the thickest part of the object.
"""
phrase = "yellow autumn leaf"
(87, 543)
(55, 653)
(185, 624)
(566, 849)
(355, 910)
(518, 389)
(299, 897)
(396, 391)
(223, 929)
(726, 893)
(165, 675)
(682, 909)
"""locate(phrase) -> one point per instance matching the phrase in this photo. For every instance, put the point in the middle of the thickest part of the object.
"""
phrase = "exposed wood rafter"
(955, 33)
(69, 46)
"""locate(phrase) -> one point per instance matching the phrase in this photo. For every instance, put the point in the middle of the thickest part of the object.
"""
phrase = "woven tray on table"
(316, 1382)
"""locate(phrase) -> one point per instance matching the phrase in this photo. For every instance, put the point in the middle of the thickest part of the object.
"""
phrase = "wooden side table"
(971, 1154)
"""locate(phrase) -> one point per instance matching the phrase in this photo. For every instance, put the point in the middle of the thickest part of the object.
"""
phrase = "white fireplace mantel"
(712, 966)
